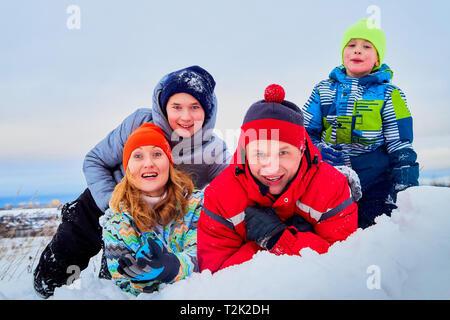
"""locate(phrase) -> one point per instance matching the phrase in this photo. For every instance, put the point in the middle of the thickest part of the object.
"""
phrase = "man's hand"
(299, 223)
(262, 223)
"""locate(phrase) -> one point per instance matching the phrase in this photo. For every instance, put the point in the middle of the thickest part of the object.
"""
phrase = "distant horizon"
(70, 195)
(68, 179)
(43, 200)
(57, 186)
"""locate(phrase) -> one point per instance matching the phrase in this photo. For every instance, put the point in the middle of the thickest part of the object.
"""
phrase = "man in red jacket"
(276, 194)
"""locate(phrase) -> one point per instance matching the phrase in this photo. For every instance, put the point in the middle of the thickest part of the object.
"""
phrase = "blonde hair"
(127, 198)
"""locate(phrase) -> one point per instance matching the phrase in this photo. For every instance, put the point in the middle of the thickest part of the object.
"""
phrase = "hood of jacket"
(191, 150)
(383, 74)
(161, 120)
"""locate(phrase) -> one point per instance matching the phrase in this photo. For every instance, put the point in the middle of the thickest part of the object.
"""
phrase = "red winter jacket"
(319, 193)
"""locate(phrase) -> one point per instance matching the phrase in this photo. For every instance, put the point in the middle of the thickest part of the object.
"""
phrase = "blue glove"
(405, 169)
(152, 262)
(262, 223)
(405, 177)
(331, 153)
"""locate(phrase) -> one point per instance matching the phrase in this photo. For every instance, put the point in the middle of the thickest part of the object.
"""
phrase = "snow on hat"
(274, 119)
(368, 30)
(193, 80)
(147, 134)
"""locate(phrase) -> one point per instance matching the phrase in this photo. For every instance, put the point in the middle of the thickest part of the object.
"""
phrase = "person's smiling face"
(273, 163)
(185, 114)
(360, 57)
(149, 167)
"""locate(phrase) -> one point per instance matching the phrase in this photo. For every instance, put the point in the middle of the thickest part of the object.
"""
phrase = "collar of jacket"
(383, 74)
(258, 193)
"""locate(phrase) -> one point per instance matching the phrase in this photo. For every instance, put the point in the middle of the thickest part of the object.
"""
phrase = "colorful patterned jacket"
(121, 236)
(369, 118)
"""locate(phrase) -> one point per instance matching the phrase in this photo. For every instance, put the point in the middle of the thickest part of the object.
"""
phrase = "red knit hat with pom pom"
(274, 119)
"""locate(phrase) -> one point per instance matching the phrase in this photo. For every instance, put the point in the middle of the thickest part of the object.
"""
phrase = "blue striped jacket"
(363, 115)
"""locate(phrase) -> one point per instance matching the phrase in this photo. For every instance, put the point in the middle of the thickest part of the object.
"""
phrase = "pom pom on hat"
(274, 115)
(274, 93)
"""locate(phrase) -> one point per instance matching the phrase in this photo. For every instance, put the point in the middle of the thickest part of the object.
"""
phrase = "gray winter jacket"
(203, 156)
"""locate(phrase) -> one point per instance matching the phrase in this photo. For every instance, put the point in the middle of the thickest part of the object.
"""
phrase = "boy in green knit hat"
(358, 119)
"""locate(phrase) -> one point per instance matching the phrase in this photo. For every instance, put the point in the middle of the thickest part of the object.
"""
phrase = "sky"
(70, 77)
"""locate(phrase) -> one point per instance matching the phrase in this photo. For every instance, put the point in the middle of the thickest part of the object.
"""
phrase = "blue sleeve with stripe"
(397, 120)
(313, 116)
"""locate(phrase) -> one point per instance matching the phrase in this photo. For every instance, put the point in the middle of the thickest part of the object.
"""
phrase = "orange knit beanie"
(147, 134)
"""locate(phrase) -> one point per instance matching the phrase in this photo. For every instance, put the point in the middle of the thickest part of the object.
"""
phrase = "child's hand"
(331, 153)
(405, 171)
(405, 177)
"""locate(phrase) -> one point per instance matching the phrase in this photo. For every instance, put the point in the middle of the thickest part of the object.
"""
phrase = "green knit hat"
(366, 29)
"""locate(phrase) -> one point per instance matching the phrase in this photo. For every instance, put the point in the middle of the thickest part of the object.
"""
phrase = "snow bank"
(405, 256)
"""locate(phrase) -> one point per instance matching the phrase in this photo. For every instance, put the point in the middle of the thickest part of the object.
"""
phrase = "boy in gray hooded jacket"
(185, 108)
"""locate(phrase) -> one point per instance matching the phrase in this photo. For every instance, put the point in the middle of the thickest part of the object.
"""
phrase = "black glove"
(405, 177)
(263, 223)
(152, 262)
(405, 169)
(128, 266)
(300, 223)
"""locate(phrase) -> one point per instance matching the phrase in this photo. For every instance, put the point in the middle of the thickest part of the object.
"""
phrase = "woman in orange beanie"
(150, 230)
(184, 108)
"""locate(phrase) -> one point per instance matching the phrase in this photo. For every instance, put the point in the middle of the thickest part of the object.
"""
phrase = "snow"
(29, 222)
(193, 80)
(405, 256)
(32, 212)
